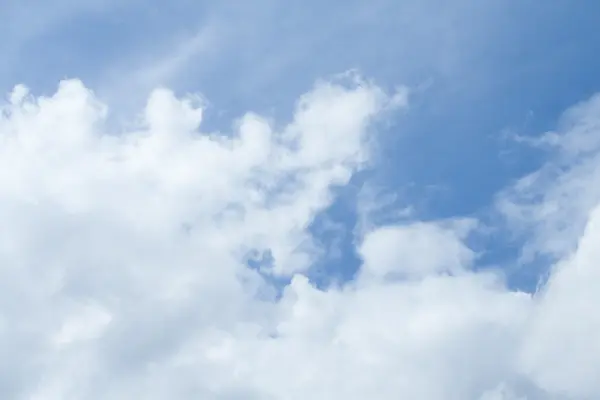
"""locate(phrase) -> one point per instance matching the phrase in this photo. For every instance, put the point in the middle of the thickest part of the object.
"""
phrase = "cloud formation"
(124, 262)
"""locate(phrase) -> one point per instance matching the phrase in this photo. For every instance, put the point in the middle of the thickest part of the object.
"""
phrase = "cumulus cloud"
(124, 265)
(557, 209)
(415, 250)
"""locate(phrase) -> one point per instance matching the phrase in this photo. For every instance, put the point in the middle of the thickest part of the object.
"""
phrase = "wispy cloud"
(129, 80)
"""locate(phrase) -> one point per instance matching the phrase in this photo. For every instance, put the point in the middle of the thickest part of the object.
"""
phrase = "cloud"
(560, 351)
(415, 250)
(552, 205)
(557, 209)
(108, 233)
(127, 81)
(124, 269)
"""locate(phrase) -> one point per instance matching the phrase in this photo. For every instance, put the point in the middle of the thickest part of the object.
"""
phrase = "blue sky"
(481, 76)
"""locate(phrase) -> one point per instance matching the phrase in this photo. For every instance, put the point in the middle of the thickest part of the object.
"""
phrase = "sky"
(275, 200)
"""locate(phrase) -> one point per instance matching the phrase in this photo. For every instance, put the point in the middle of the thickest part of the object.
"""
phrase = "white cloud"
(552, 205)
(561, 350)
(122, 267)
(557, 208)
(415, 250)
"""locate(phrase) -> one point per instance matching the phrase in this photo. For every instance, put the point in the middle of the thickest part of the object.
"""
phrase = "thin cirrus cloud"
(160, 258)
